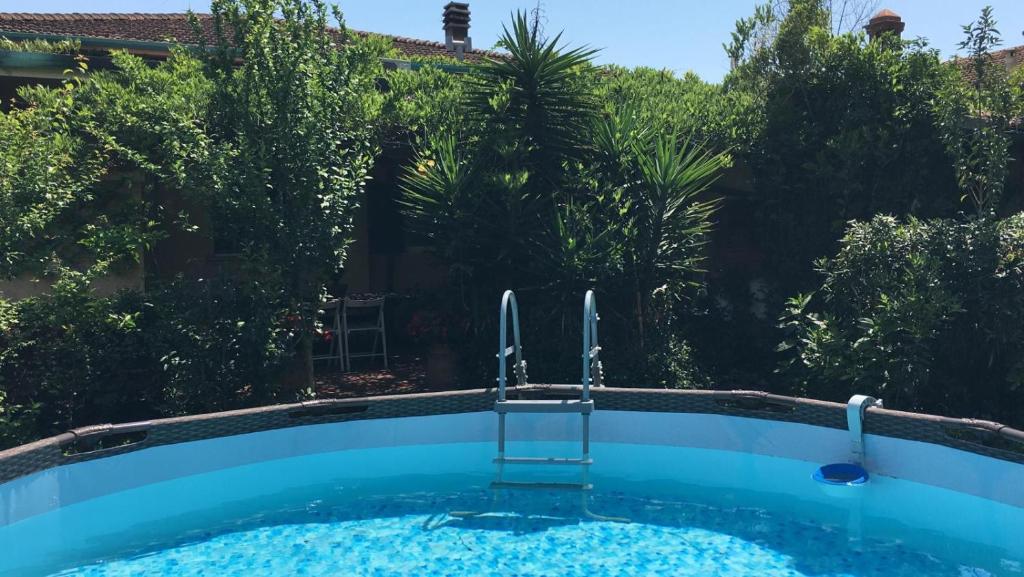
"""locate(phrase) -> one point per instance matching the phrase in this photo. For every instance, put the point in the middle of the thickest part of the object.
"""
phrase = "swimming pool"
(712, 484)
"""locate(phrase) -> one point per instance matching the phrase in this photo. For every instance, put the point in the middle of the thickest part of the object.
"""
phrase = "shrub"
(217, 344)
(928, 315)
(15, 423)
(70, 358)
(75, 358)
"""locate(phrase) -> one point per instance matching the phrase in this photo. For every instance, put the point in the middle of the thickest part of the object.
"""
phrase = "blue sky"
(679, 35)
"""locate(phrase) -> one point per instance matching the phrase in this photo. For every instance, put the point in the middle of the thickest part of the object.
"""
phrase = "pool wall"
(975, 458)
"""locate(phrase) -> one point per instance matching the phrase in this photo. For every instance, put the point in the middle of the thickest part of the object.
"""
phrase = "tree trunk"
(640, 330)
(308, 309)
(306, 350)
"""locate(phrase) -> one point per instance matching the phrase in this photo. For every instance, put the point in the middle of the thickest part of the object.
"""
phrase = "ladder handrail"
(584, 406)
(508, 301)
(591, 349)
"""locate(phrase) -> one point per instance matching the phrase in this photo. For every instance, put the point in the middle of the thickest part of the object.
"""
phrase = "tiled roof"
(1010, 59)
(171, 28)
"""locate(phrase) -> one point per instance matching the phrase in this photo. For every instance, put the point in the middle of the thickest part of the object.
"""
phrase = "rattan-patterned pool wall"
(980, 437)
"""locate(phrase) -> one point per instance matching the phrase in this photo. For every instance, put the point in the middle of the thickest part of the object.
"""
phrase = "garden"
(885, 207)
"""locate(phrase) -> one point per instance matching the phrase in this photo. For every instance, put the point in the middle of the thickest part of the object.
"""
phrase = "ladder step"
(545, 406)
(542, 461)
(541, 486)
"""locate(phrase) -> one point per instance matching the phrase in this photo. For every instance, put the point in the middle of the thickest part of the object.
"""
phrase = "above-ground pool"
(710, 484)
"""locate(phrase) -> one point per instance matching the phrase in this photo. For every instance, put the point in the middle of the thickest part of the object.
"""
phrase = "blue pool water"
(413, 535)
(384, 512)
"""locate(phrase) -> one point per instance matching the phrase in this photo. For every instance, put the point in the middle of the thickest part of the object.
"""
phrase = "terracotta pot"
(440, 366)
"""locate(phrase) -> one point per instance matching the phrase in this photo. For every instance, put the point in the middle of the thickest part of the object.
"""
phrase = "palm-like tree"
(536, 97)
(543, 193)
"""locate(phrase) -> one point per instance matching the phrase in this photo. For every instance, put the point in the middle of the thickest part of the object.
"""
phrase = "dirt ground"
(406, 374)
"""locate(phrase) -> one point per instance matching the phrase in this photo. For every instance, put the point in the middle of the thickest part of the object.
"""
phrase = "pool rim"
(968, 435)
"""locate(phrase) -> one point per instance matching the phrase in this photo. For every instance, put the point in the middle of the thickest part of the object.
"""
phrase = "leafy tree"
(652, 209)
(531, 96)
(294, 122)
(501, 176)
(846, 130)
(72, 207)
(278, 147)
(753, 35)
(975, 117)
(761, 28)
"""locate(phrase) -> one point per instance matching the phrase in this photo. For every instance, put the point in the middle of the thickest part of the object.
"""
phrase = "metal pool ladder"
(584, 406)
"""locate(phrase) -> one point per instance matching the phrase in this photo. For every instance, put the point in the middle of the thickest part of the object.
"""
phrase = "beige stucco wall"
(28, 286)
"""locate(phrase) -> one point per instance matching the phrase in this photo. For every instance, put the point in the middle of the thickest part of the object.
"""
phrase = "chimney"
(885, 21)
(456, 28)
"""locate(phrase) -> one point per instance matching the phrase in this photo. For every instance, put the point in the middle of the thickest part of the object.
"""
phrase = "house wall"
(26, 286)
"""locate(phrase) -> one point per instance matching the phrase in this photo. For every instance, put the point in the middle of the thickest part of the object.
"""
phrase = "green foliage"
(16, 425)
(220, 344)
(74, 358)
(501, 184)
(841, 128)
(928, 315)
(441, 202)
(533, 97)
(278, 148)
(428, 100)
(665, 103)
(298, 144)
(152, 118)
(538, 172)
(753, 36)
(667, 215)
(47, 175)
(77, 162)
(656, 217)
(58, 47)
